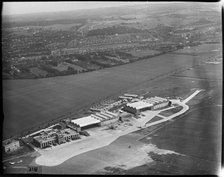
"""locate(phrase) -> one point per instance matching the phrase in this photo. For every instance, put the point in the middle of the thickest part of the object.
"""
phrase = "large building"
(10, 145)
(106, 117)
(86, 122)
(98, 119)
(158, 102)
(137, 107)
(128, 97)
(69, 124)
(147, 104)
(131, 95)
(48, 138)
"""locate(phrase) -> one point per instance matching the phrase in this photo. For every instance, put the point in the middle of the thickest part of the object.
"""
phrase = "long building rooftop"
(8, 141)
(44, 137)
(139, 104)
(85, 121)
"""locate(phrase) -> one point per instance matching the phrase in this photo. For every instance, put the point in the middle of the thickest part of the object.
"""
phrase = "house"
(11, 145)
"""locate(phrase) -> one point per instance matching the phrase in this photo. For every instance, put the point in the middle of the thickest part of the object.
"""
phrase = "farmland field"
(30, 102)
(170, 112)
(143, 53)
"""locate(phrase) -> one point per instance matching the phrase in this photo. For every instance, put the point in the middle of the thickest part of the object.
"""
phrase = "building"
(86, 122)
(98, 119)
(137, 107)
(147, 104)
(69, 124)
(128, 97)
(52, 137)
(125, 98)
(66, 135)
(158, 102)
(10, 145)
(131, 95)
(44, 140)
(95, 109)
(106, 117)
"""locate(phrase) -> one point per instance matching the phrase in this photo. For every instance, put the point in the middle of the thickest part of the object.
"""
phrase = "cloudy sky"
(12, 8)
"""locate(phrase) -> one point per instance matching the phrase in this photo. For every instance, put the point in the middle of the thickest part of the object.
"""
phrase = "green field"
(154, 119)
(170, 112)
(143, 53)
(28, 103)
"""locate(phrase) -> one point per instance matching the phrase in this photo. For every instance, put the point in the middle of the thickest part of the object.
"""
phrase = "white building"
(158, 102)
(106, 117)
(147, 104)
(98, 119)
(86, 122)
(11, 145)
(136, 107)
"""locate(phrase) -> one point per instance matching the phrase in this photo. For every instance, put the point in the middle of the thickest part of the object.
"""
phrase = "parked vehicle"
(20, 161)
(85, 133)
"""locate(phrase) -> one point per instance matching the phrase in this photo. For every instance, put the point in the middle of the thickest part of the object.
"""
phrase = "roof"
(8, 141)
(111, 113)
(52, 135)
(101, 116)
(130, 95)
(107, 115)
(139, 104)
(43, 138)
(156, 99)
(96, 117)
(67, 131)
(125, 97)
(85, 121)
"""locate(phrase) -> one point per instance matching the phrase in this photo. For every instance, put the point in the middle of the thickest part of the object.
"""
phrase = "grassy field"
(143, 53)
(64, 66)
(170, 111)
(154, 119)
(38, 72)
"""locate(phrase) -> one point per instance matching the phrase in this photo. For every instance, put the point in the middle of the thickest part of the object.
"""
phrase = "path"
(191, 96)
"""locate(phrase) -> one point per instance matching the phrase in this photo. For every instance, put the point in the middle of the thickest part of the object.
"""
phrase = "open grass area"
(38, 72)
(154, 119)
(143, 53)
(170, 112)
(64, 67)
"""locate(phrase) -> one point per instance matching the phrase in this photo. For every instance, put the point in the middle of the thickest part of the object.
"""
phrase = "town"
(72, 46)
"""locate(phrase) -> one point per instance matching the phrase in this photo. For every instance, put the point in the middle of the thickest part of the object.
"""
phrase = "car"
(11, 163)
(19, 161)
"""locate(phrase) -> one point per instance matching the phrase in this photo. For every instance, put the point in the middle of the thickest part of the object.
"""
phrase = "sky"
(12, 8)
